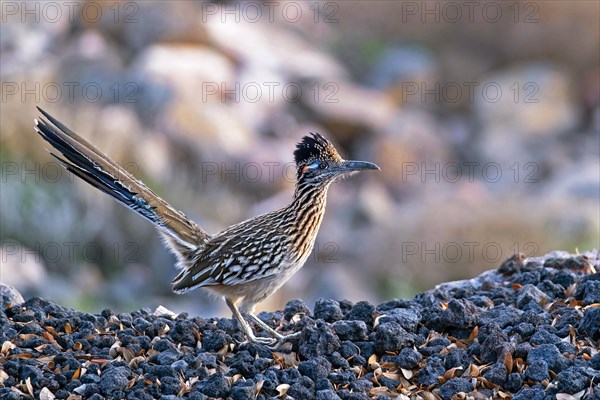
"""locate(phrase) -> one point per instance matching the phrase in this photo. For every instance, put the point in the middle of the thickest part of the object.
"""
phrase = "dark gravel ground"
(529, 330)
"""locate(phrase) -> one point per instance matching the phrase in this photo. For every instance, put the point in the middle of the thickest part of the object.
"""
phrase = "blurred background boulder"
(484, 118)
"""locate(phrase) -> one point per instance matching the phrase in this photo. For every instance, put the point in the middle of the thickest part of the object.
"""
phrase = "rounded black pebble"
(459, 314)
(457, 358)
(391, 337)
(572, 380)
(453, 386)
(408, 318)
(590, 323)
(537, 371)
(318, 341)
(243, 390)
(30, 372)
(349, 349)
(8, 394)
(494, 346)
(533, 393)
(326, 394)
(529, 293)
(196, 395)
(143, 326)
(408, 358)
(183, 333)
(328, 310)
(434, 368)
(514, 382)
(542, 336)
(588, 291)
(595, 361)
(303, 388)
(168, 357)
(113, 379)
(512, 264)
(353, 330)
(214, 386)
(215, 340)
(315, 369)
(293, 307)
(362, 311)
(496, 374)
(546, 352)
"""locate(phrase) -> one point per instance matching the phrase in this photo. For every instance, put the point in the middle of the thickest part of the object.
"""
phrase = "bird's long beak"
(351, 166)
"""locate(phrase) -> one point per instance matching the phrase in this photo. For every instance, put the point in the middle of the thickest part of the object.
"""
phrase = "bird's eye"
(323, 165)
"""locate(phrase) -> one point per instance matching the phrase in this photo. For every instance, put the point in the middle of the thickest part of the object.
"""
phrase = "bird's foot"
(285, 338)
(265, 341)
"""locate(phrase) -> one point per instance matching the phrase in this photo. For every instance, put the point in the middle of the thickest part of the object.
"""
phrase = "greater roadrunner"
(246, 262)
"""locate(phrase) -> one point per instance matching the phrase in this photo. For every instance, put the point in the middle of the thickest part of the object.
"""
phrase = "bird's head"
(318, 162)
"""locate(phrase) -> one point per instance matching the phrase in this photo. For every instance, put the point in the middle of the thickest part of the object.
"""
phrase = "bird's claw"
(285, 338)
(259, 340)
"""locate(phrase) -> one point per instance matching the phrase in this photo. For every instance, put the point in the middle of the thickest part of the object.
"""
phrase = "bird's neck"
(305, 214)
(309, 196)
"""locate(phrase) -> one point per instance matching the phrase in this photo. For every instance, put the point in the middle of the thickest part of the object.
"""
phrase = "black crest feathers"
(314, 147)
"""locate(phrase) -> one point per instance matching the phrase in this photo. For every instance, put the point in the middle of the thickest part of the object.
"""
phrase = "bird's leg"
(266, 327)
(246, 327)
(280, 338)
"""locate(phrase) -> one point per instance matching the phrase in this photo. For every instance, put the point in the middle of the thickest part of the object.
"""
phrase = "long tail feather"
(85, 161)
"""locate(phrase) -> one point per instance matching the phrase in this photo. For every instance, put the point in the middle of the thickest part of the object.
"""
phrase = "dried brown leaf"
(372, 359)
(22, 356)
(259, 386)
(451, 372)
(405, 383)
(380, 390)
(391, 375)
(508, 361)
(282, 389)
(40, 348)
(358, 371)
(29, 386)
(46, 394)
(102, 361)
(388, 365)
(567, 396)
(520, 364)
(7, 346)
(131, 383)
(474, 371)
(486, 383)
(474, 334)
(3, 376)
(127, 354)
(27, 336)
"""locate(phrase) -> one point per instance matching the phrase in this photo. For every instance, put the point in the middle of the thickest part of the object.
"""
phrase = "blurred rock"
(410, 144)
(9, 295)
(520, 109)
(21, 267)
(403, 72)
